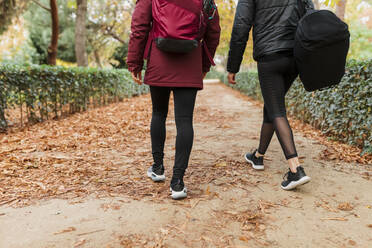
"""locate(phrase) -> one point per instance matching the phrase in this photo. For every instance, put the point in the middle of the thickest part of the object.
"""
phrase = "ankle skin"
(258, 155)
(293, 164)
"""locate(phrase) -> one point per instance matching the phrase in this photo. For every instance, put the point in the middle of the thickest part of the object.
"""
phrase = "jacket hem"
(176, 85)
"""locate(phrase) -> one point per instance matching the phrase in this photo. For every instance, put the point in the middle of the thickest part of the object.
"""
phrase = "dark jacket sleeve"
(244, 17)
(140, 29)
(211, 39)
(309, 4)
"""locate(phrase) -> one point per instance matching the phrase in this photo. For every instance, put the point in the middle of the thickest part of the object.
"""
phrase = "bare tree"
(52, 49)
(81, 33)
(340, 9)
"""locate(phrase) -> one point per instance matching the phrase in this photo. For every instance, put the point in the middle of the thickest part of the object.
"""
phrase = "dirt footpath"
(229, 205)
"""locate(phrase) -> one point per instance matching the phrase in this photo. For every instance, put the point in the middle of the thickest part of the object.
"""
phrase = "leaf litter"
(101, 152)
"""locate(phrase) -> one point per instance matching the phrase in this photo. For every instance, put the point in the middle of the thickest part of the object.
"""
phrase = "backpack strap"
(301, 6)
(209, 8)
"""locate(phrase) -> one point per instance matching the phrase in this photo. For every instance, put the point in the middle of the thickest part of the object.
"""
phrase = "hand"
(204, 74)
(137, 77)
(231, 78)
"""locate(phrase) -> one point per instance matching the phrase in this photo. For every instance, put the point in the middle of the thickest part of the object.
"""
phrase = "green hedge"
(49, 92)
(343, 112)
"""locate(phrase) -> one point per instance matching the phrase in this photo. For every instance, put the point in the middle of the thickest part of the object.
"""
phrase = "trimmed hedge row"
(343, 112)
(46, 92)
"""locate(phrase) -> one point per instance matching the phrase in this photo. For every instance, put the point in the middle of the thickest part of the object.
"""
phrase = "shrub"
(49, 92)
(344, 112)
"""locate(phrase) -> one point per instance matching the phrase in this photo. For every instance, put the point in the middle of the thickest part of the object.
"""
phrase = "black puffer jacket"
(274, 25)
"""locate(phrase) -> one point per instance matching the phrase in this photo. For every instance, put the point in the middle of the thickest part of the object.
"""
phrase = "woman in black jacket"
(274, 25)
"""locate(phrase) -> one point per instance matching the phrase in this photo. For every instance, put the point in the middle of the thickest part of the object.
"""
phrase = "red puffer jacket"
(168, 69)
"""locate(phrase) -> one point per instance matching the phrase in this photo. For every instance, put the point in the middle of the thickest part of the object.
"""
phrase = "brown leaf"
(335, 218)
(244, 238)
(345, 206)
(70, 229)
(80, 243)
(352, 242)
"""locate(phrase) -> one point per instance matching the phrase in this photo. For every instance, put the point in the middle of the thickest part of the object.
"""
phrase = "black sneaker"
(256, 162)
(178, 189)
(156, 173)
(295, 179)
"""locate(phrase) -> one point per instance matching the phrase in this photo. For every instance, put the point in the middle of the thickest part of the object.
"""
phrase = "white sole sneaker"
(256, 167)
(295, 184)
(154, 177)
(177, 195)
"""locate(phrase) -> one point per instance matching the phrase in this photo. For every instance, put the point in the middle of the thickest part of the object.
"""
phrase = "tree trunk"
(340, 9)
(80, 33)
(52, 49)
(316, 4)
(98, 59)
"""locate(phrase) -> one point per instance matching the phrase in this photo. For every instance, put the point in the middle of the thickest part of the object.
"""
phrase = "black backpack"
(321, 46)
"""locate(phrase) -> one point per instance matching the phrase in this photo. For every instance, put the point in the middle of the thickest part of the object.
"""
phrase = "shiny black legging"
(276, 76)
(184, 102)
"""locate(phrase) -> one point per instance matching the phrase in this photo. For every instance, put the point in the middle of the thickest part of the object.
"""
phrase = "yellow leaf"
(207, 191)
(221, 164)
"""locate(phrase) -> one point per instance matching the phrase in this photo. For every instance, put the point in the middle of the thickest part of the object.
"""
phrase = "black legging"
(184, 102)
(276, 75)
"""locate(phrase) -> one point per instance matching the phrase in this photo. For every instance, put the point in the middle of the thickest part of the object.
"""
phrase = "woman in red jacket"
(166, 72)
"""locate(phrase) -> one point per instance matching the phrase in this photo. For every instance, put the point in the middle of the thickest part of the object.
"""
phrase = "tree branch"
(115, 36)
(106, 30)
(42, 6)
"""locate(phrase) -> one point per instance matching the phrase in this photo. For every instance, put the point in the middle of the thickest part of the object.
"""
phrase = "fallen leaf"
(244, 238)
(116, 207)
(335, 218)
(231, 212)
(195, 202)
(352, 242)
(87, 233)
(207, 239)
(80, 243)
(221, 164)
(207, 191)
(70, 229)
(345, 206)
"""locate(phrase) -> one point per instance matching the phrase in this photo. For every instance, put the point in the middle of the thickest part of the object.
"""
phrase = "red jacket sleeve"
(211, 39)
(140, 29)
